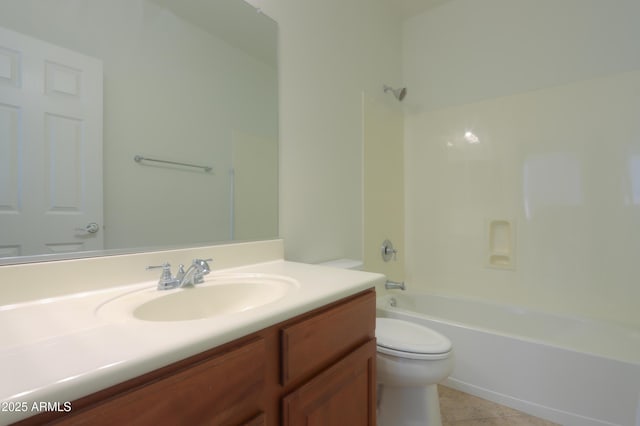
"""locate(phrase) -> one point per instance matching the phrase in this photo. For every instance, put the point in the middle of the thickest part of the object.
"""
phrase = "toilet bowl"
(411, 361)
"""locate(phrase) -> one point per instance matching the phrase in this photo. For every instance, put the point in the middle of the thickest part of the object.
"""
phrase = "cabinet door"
(344, 394)
(227, 389)
(311, 345)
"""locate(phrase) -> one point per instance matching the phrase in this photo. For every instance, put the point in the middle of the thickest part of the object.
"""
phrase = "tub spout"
(390, 285)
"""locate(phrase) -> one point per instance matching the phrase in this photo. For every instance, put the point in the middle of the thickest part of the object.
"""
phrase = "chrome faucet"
(193, 275)
(166, 281)
(391, 285)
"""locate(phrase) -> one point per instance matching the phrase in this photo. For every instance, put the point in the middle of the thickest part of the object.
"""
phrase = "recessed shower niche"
(501, 241)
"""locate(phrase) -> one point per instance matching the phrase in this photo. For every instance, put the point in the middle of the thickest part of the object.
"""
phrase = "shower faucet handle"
(387, 251)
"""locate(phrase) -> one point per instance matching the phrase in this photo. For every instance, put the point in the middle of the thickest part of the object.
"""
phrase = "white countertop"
(60, 349)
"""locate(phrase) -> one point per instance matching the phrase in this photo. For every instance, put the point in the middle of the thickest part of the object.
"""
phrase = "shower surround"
(509, 123)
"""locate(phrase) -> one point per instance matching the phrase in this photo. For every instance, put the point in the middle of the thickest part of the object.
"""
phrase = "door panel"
(50, 148)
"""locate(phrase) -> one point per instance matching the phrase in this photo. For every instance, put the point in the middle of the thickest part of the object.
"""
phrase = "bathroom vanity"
(313, 366)
(94, 358)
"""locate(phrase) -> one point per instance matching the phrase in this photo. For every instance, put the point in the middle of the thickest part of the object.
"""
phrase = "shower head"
(398, 93)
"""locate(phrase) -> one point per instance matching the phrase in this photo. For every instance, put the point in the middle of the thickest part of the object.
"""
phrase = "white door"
(50, 148)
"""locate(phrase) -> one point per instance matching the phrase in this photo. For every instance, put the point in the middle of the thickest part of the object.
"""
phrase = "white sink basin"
(218, 295)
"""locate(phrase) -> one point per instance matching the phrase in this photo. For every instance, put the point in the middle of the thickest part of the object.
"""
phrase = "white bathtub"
(568, 370)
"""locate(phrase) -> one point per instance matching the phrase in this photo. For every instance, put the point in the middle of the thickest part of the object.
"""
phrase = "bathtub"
(571, 371)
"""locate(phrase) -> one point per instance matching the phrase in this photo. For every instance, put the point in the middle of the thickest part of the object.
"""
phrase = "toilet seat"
(408, 340)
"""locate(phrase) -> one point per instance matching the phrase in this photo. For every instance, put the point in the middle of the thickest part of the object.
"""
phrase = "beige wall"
(550, 89)
(330, 52)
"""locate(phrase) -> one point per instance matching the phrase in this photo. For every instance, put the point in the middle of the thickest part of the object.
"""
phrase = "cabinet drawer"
(312, 344)
(225, 389)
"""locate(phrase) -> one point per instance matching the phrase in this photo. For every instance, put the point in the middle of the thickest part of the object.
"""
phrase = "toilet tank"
(344, 264)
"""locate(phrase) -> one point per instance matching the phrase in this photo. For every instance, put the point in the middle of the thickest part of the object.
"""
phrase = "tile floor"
(461, 409)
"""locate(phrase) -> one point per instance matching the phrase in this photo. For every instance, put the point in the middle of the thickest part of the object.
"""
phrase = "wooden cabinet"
(344, 394)
(337, 350)
(227, 389)
(315, 369)
(311, 344)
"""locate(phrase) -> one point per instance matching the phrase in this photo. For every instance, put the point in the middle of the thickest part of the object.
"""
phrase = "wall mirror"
(88, 86)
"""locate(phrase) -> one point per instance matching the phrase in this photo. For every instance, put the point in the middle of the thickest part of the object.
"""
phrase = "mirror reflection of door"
(50, 148)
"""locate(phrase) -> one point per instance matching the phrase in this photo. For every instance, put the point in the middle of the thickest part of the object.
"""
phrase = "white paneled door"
(50, 148)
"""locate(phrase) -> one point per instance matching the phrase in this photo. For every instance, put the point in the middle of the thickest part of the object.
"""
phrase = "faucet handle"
(202, 269)
(166, 280)
(388, 251)
(202, 263)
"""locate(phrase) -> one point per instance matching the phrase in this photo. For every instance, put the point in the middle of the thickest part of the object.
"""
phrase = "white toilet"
(412, 360)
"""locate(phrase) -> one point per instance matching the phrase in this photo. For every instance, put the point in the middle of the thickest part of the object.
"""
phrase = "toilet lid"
(406, 336)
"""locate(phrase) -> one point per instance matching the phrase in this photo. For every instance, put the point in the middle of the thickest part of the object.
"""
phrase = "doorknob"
(91, 228)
